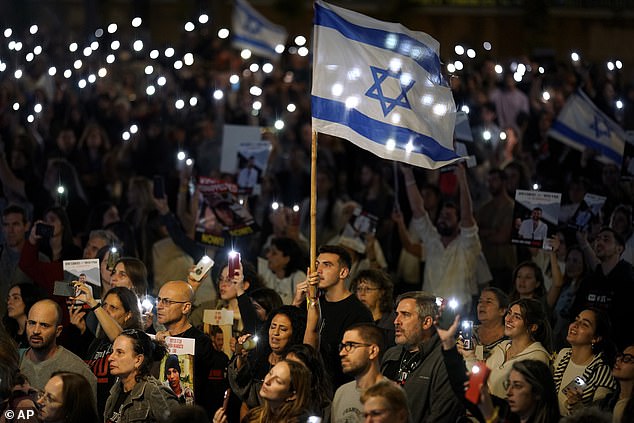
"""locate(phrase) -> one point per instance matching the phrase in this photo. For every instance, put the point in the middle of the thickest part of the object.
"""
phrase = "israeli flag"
(582, 125)
(254, 32)
(380, 86)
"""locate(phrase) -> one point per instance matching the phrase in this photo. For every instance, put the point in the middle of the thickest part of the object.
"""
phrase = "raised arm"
(416, 201)
(466, 206)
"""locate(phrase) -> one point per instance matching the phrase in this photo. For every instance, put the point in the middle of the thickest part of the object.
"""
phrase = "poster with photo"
(358, 226)
(232, 137)
(177, 368)
(221, 216)
(589, 209)
(253, 158)
(627, 167)
(535, 218)
(86, 271)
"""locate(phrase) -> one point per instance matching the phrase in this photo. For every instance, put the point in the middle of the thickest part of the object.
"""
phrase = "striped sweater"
(596, 374)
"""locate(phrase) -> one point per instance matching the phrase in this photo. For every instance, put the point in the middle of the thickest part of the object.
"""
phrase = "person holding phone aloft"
(585, 359)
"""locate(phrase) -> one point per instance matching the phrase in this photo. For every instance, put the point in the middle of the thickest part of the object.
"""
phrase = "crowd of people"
(390, 325)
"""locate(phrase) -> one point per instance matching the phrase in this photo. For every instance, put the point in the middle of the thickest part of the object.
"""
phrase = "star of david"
(253, 25)
(600, 127)
(376, 91)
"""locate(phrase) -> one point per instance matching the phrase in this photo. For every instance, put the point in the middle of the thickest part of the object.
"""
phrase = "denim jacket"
(149, 401)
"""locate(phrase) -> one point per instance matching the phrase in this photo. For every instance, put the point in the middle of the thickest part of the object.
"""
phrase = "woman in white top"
(528, 330)
(581, 374)
(282, 269)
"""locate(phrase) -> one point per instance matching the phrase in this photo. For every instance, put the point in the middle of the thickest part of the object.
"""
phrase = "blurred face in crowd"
(280, 333)
(525, 282)
(50, 402)
(119, 277)
(114, 307)
(176, 311)
(379, 410)
(110, 216)
(124, 361)
(277, 384)
(52, 219)
(574, 264)
(277, 260)
(606, 246)
(41, 326)
(330, 270)
(519, 395)
(14, 228)
(514, 325)
(15, 304)
(447, 223)
(358, 359)
(489, 308)
(226, 285)
(624, 366)
(409, 327)
(582, 330)
(94, 244)
(496, 185)
(369, 294)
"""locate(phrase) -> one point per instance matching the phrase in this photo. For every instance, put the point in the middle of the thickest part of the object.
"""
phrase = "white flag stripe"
(582, 125)
(253, 31)
(372, 85)
(386, 35)
(341, 69)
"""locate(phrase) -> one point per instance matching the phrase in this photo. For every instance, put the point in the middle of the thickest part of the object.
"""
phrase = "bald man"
(45, 357)
(173, 306)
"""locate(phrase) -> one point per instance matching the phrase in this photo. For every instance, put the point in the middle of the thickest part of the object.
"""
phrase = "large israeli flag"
(582, 125)
(380, 85)
(253, 31)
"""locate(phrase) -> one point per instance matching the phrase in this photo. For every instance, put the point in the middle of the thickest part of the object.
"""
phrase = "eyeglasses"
(365, 289)
(515, 385)
(167, 302)
(625, 358)
(349, 346)
(46, 397)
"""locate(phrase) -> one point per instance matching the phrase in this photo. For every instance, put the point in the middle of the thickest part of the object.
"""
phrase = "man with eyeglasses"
(173, 306)
(45, 357)
(416, 362)
(360, 351)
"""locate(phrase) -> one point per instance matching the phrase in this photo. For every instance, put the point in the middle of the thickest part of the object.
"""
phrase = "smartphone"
(202, 267)
(478, 377)
(234, 263)
(64, 289)
(225, 402)
(44, 230)
(467, 334)
(578, 384)
(159, 187)
(447, 312)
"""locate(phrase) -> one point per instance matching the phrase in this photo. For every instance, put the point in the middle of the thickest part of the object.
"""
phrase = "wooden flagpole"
(313, 204)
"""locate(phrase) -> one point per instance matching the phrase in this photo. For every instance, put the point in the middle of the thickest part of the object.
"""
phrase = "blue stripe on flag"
(257, 17)
(428, 59)
(568, 132)
(373, 130)
(256, 43)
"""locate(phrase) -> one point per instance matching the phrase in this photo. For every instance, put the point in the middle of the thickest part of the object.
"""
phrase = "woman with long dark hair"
(285, 393)
(67, 398)
(19, 301)
(283, 267)
(137, 394)
(286, 327)
(584, 361)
